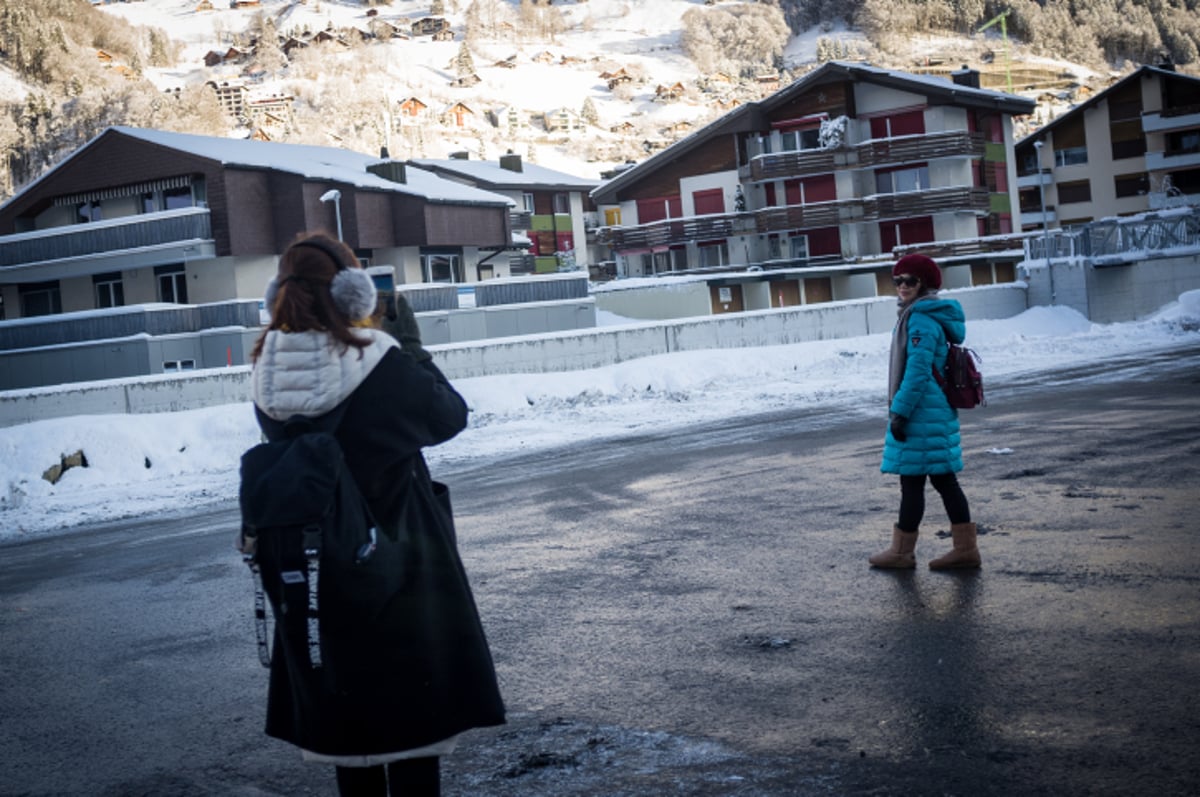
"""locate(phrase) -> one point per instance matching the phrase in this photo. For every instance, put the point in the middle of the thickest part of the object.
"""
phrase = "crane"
(1004, 35)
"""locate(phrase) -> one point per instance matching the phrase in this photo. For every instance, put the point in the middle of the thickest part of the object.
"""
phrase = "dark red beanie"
(922, 267)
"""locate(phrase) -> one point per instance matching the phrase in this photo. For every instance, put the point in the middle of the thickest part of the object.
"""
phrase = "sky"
(187, 461)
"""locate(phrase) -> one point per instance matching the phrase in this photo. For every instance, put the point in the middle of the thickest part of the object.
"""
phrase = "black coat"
(406, 662)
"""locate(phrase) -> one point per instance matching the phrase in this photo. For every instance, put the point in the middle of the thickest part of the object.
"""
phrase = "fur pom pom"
(353, 293)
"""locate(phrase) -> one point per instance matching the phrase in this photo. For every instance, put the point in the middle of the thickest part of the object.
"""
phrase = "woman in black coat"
(410, 665)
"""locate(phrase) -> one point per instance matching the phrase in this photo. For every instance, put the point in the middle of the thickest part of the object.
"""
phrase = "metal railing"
(1152, 235)
(79, 240)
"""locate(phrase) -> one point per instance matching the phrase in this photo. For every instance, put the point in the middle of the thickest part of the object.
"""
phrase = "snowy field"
(142, 464)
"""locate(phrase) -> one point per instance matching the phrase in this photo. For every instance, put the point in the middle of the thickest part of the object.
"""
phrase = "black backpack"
(303, 521)
(962, 382)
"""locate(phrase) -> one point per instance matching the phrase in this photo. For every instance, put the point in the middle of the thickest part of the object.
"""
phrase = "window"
(1183, 142)
(901, 124)
(798, 247)
(898, 180)
(88, 211)
(109, 290)
(562, 203)
(172, 366)
(612, 216)
(527, 201)
(713, 254)
(774, 249)
(793, 140)
(1074, 191)
(1070, 143)
(1131, 184)
(1070, 157)
(40, 298)
(172, 283)
(176, 198)
(441, 266)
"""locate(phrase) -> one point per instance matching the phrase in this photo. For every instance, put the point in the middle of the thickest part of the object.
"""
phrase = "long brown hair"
(303, 302)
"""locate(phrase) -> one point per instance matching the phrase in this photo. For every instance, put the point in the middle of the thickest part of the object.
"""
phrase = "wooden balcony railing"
(880, 207)
(80, 240)
(868, 155)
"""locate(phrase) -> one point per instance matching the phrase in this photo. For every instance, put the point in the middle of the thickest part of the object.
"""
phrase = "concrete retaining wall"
(559, 351)
(1115, 291)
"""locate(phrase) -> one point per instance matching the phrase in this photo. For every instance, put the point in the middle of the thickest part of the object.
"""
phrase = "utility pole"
(1037, 145)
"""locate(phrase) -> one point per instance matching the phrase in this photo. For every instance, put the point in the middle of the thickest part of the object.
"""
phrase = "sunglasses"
(909, 281)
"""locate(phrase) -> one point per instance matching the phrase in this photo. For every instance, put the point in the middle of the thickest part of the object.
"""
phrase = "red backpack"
(962, 382)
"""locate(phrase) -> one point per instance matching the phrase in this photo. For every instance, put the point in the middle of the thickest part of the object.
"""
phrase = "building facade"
(827, 178)
(554, 213)
(1132, 148)
(143, 216)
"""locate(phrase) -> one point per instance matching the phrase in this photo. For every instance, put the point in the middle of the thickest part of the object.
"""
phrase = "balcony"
(924, 147)
(678, 231)
(81, 249)
(958, 199)
(879, 207)
(1171, 119)
(1172, 159)
(869, 154)
(1036, 216)
(1042, 177)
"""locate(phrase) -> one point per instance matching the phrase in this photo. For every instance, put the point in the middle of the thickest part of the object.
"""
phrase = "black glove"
(897, 425)
(407, 331)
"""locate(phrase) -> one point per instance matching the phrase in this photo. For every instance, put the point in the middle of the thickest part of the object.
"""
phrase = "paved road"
(693, 615)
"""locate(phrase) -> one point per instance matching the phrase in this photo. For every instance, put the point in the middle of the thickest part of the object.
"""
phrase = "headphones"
(352, 289)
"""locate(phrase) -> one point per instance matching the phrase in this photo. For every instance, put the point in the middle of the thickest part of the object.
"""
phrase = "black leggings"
(912, 500)
(408, 777)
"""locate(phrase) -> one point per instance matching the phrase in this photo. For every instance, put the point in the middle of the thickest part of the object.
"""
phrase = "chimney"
(966, 77)
(389, 170)
(511, 162)
(461, 155)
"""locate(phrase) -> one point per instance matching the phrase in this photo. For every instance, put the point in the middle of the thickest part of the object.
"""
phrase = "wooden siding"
(834, 99)
(114, 160)
(459, 225)
(715, 155)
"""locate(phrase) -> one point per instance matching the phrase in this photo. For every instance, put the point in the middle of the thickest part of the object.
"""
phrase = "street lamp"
(1037, 145)
(335, 196)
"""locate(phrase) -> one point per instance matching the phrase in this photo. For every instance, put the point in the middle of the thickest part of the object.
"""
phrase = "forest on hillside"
(52, 48)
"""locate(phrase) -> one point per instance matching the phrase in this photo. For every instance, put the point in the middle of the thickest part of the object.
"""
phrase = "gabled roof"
(489, 174)
(750, 116)
(1091, 102)
(310, 162)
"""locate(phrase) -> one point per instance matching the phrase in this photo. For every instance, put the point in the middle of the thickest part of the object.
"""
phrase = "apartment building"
(1131, 148)
(815, 187)
(553, 212)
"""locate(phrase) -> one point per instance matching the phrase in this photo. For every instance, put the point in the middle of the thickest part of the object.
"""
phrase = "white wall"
(532, 354)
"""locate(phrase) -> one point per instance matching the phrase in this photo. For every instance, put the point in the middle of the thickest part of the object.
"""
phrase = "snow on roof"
(315, 163)
(491, 173)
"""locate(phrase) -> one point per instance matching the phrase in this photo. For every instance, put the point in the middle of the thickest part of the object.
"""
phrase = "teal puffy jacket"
(933, 444)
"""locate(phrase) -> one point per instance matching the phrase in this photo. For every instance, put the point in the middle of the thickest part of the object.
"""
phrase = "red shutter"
(791, 192)
(651, 210)
(820, 189)
(709, 201)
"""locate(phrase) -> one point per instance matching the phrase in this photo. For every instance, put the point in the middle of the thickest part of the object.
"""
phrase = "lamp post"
(335, 196)
(1037, 145)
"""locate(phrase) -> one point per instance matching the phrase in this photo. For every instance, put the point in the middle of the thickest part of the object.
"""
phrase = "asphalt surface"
(692, 614)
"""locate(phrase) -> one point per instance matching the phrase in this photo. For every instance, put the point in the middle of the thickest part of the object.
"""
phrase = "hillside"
(578, 86)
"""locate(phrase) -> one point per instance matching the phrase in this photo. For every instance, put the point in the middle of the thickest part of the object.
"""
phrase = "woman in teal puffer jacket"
(922, 439)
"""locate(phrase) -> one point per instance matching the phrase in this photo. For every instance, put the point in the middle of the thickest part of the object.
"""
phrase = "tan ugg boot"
(965, 552)
(900, 555)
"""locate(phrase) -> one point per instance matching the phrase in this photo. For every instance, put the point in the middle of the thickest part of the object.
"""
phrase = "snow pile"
(179, 461)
